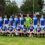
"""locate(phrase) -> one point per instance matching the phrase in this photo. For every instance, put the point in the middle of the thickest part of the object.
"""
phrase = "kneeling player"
(26, 32)
(21, 28)
(38, 29)
(4, 29)
(31, 30)
(10, 28)
(18, 29)
(14, 29)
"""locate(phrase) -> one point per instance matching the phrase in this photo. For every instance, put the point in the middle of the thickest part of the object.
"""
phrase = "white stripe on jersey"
(10, 19)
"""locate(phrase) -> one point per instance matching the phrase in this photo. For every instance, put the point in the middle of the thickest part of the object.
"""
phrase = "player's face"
(21, 15)
(34, 15)
(5, 16)
(42, 16)
(15, 16)
(27, 15)
(10, 16)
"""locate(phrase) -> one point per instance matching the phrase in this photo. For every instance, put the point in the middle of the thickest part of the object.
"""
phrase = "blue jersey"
(42, 21)
(11, 21)
(5, 21)
(35, 20)
(21, 21)
(16, 21)
(1, 22)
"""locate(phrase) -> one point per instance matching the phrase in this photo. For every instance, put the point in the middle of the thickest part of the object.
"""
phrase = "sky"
(19, 2)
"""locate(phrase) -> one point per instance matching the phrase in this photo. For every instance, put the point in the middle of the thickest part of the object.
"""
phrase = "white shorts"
(16, 33)
(13, 27)
(35, 26)
(42, 26)
(21, 26)
(17, 28)
(6, 25)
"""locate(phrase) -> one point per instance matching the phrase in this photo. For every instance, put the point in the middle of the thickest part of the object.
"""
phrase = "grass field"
(21, 41)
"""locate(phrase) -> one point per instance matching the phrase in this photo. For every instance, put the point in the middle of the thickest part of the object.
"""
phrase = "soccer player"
(16, 20)
(1, 23)
(14, 28)
(11, 20)
(28, 21)
(31, 28)
(38, 29)
(18, 29)
(6, 21)
(21, 21)
(42, 22)
(35, 20)
(10, 28)
(4, 29)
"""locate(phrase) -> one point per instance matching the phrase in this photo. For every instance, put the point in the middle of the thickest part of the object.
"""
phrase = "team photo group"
(20, 25)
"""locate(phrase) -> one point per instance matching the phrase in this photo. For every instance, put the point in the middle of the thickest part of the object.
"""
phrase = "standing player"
(28, 22)
(35, 20)
(1, 23)
(16, 20)
(21, 21)
(6, 21)
(11, 20)
(42, 22)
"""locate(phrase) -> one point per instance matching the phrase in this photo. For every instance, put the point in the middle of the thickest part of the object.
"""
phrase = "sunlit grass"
(21, 41)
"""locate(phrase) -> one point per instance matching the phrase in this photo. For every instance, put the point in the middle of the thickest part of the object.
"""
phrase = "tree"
(31, 6)
(2, 7)
(26, 7)
(11, 9)
(38, 5)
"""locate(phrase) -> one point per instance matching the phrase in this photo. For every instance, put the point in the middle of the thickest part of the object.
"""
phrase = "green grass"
(21, 41)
